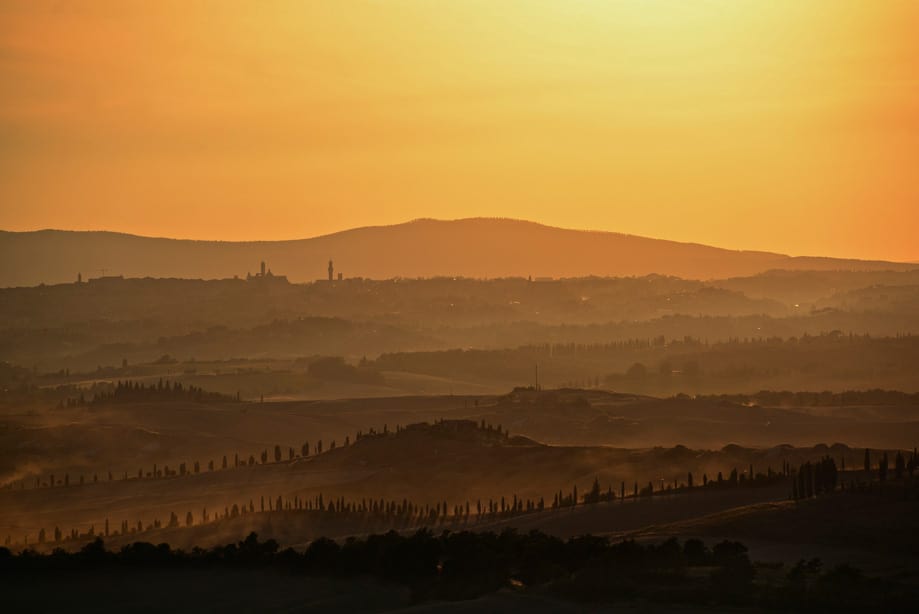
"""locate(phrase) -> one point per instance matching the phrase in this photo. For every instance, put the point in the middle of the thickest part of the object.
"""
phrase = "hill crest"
(471, 247)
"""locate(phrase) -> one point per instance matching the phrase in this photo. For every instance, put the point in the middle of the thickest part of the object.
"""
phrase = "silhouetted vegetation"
(465, 565)
(826, 398)
(404, 513)
(132, 392)
(814, 479)
(662, 364)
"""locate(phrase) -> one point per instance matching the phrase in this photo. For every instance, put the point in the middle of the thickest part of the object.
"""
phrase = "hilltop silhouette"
(475, 247)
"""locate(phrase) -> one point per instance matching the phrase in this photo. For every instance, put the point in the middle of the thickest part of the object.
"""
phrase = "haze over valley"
(459, 306)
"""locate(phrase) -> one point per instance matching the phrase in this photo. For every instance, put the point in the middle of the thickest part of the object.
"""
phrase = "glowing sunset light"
(784, 126)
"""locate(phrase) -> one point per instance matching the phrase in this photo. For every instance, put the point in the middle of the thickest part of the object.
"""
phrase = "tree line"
(466, 565)
(826, 398)
(278, 454)
(406, 514)
(807, 481)
(132, 391)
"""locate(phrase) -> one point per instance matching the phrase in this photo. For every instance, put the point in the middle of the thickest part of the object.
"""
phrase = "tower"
(263, 268)
(331, 270)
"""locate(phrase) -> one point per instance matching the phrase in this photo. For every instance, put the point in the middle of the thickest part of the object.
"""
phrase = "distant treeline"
(655, 364)
(659, 364)
(22, 385)
(18, 384)
(466, 565)
(163, 390)
(786, 398)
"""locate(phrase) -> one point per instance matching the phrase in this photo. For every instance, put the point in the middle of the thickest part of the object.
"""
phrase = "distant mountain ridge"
(472, 247)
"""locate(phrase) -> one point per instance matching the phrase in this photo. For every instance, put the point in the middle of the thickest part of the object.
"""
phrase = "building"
(265, 274)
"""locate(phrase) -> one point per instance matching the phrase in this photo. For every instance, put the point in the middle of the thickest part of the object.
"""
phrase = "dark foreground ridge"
(466, 565)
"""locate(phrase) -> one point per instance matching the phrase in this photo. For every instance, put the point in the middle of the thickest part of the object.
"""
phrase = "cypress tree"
(899, 466)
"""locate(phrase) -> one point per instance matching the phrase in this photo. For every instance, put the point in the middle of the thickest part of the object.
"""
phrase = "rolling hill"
(475, 247)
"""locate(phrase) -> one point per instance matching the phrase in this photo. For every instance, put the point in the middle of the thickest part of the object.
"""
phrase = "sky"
(779, 125)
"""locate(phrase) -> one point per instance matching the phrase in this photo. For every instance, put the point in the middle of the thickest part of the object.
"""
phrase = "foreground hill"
(423, 248)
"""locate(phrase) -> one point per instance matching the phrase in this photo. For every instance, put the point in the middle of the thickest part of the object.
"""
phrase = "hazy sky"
(786, 125)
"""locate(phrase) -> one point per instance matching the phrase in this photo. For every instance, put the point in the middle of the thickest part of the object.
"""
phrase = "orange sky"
(782, 125)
